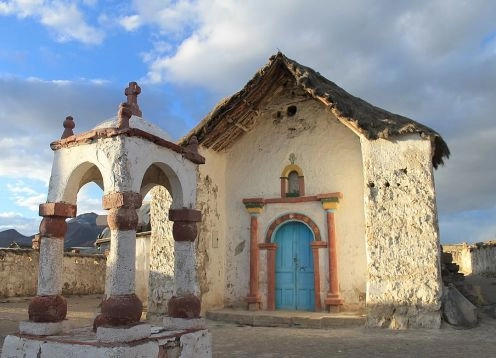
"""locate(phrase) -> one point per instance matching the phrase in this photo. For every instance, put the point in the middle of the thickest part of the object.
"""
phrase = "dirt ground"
(230, 340)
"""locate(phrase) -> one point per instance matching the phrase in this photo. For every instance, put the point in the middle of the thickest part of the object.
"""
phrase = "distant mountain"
(11, 235)
(82, 231)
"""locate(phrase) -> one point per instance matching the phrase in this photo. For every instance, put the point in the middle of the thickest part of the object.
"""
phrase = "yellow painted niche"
(291, 168)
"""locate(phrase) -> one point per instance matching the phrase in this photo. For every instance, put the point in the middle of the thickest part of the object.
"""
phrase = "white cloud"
(18, 157)
(64, 18)
(171, 17)
(89, 199)
(25, 225)
(130, 23)
(25, 196)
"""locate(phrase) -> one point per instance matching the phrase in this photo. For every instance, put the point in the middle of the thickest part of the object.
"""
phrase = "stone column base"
(188, 306)
(334, 302)
(254, 303)
(79, 343)
(40, 328)
(119, 310)
(47, 308)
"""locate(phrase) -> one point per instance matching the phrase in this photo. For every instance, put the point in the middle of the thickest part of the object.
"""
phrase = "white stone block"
(127, 334)
(40, 328)
(184, 323)
(196, 345)
(65, 350)
(14, 347)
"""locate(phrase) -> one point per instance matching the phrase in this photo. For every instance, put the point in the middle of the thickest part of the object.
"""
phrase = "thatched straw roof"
(232, 116)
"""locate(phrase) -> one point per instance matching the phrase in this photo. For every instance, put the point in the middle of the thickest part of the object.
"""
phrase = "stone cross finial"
(132, 92)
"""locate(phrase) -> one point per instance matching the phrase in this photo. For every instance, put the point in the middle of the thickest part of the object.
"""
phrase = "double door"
(294, 267)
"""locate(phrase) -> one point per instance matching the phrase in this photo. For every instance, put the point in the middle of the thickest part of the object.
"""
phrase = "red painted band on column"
(188, 306)
(129, 200)
(184, 231)
(58, 209)
(119, 310)
(53, 227)
(253, 298)
(122, 219)
(184, 227)
(185, 215)
(51, 308)
(333, 297)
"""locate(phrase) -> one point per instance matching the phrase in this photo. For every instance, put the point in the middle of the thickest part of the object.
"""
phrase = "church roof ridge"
(219, 129)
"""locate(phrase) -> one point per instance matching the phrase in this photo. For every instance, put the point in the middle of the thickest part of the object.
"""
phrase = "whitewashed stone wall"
(142, 265)
(211, 240)
(404, 281)
(474, 259)
(82, 274)
(161, 271)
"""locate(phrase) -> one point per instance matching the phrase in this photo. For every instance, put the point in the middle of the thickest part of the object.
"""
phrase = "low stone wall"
(479, 258)
(83, 274)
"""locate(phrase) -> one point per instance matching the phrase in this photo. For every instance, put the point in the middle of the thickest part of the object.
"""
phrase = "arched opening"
(84, 231)
(293, 184)
(292, 181)
(85, 189)
(155, 248)
(83, 174)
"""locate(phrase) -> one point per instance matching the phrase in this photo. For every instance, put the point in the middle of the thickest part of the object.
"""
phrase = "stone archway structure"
(124, 156)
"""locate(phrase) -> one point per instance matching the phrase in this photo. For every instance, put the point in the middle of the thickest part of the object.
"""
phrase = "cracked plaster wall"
(211, 240)
(161, 274)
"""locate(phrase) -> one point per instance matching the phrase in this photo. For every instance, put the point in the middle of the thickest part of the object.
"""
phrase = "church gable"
(236, 115)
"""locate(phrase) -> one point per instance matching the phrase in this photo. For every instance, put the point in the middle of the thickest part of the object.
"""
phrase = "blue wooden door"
(294, 267)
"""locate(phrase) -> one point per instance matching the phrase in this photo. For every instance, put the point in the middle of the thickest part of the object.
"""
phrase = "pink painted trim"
(333, 297)
(254, 259)
(292, 217)
(316, 277)
(284, 185)
(271, 274)
(301, 184)
(58, 209)
(298, 199)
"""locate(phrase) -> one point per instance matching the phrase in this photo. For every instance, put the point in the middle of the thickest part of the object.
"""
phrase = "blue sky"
(433, 61)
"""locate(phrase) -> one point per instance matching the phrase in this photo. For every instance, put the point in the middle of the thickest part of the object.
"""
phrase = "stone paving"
(235, 340)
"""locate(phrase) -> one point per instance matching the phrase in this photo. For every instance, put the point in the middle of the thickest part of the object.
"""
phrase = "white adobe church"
(291, 194)
(313, 199)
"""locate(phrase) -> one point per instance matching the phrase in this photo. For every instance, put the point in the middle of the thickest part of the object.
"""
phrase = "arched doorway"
(294, 271)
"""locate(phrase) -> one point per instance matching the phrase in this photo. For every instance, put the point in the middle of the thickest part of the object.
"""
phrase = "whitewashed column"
(48, 306)
(186, 302)
(121, 306)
